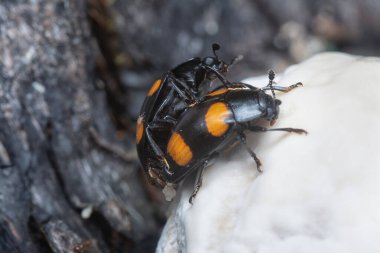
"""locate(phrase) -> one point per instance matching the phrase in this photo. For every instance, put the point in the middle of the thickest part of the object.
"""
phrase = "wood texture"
(51, 167)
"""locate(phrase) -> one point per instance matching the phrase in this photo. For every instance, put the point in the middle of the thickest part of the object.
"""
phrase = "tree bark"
(60, 191)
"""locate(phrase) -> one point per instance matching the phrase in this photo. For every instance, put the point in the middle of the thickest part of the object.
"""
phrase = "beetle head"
(214, 64)
(274, 111)
(270, 107)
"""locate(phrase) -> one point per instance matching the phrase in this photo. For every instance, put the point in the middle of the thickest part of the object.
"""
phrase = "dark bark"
(161, 34)
(155, 35)
(51, 166)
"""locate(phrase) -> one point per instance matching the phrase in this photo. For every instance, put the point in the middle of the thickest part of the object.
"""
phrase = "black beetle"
(206, 128)
(181, 87)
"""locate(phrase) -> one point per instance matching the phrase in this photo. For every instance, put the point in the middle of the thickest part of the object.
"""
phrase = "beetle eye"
(208, 61)
(278, 102)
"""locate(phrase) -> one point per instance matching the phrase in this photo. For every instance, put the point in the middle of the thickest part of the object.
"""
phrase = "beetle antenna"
(215, 47)
(271, 76)
(236, 59)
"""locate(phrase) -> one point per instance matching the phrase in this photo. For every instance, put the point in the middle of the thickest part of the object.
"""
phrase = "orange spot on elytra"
(216, 119)
(217, 92)
(178, 150)
(154, 87)
(139, 129)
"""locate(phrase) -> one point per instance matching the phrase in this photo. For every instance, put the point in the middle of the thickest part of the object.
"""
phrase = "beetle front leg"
(285, 129)
(242, 139)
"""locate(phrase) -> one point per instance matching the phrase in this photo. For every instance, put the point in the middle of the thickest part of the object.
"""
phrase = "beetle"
(206, 128)
(183, 86)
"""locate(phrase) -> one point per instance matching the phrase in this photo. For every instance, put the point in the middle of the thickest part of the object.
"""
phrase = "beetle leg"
(225, 82)
(283, 89)
(156, 149)
(165, 123)
(168, 102)
(170, 120)
(242, 139)
(165, 81)
(155, 178)
(184, 95)
(165, 102)
(198, 181)
(285, 129)
(180, 90)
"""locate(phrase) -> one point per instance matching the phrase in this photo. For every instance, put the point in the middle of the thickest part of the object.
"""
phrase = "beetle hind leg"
(284, 129)
(199, 179)
(198, 183)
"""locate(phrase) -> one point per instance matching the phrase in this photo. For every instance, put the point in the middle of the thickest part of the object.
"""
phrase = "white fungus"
(318, 193)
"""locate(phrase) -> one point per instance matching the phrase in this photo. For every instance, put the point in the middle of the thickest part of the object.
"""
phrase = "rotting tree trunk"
(53, 174)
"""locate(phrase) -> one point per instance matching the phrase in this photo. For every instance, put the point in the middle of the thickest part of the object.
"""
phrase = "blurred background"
(73, 75)
(154, 36)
